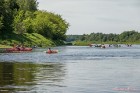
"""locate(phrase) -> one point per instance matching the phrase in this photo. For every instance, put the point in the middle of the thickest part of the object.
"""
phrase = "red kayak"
(52, 51)
(17, 50)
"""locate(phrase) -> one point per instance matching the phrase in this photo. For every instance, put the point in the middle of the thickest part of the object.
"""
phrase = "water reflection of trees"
(29, 74)
(51, 72)
(6, 76)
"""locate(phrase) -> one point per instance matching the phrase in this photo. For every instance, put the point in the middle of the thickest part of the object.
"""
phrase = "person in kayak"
(49, 50)
(18, 47)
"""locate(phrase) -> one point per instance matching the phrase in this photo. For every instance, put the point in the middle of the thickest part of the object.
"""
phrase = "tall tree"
(28, 5)
(50, 25)
(6, 13)
(19, 27)
(1, 14)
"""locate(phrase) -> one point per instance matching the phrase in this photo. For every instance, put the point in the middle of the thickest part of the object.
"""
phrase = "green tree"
(1, 24)
(1, 14)
(41, 24)
(19, 27)
(28, 21)
(28, 5)
(126, 35)
(59, 26)
(50, 25)
(8, 8)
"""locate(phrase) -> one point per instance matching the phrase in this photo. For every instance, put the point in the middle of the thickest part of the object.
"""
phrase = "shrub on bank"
(27, 40)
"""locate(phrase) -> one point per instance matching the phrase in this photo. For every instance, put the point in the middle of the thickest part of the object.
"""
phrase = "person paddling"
(49, 50)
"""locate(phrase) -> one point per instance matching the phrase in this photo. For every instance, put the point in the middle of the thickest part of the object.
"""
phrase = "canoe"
(52, 51)
(18, 50)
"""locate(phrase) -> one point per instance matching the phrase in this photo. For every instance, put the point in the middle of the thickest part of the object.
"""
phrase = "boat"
(52, 51)
(18, 50)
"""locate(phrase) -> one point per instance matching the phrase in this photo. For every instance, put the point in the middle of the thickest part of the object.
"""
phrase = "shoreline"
(4, 46)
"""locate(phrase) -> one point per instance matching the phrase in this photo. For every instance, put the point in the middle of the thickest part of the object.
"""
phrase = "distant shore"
(87, 43)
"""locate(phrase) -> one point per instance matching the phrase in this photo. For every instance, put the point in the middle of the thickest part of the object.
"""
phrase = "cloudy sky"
(87, 16)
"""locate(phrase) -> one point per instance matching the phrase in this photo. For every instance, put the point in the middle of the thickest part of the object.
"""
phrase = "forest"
(22, 22)
(132, 37)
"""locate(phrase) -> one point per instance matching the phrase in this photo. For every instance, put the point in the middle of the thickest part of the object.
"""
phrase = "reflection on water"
(23, 77)
(98, 76)
(75, 69)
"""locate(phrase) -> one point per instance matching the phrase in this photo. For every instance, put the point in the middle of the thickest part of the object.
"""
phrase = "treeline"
(18, 17)
(124, 37)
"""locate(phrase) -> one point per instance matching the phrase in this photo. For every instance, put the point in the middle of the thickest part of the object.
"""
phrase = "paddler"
(49, 50)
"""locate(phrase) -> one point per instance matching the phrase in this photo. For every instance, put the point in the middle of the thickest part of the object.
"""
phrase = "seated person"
(49, 50)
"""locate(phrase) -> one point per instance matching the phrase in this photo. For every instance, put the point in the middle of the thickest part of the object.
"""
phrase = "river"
(74, 69)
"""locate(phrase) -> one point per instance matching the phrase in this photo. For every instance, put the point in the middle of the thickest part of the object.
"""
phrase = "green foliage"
(1, 12)
(27, 40)
(42, 25)
(125, 37)
(1, 24)
(4, 46)
(129, 36)
(50, 25)
(82, 43)
(19, 27)
(7, 11)
(27, 5)
(45, 23)
(18, 17)
(73, 38)
(37, 39)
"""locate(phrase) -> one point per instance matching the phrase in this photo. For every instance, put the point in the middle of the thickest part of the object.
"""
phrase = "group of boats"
(23, 49)
(49, 51)
(109, 45)
(98, 45)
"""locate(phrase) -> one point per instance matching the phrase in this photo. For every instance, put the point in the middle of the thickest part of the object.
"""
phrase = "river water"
(74, 69)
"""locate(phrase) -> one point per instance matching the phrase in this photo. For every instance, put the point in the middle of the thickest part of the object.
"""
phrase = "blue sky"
(87, 16)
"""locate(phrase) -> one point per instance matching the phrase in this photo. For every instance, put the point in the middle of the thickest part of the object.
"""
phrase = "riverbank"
(27, 40)
(86, 43)
(5, 46)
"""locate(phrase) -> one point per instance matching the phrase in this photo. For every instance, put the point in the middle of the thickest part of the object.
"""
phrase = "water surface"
(75, 69)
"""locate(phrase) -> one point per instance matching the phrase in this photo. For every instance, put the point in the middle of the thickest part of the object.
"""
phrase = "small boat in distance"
(49, 51)
(52, 51)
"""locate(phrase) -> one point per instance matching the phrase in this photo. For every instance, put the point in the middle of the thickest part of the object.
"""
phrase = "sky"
(88, 16)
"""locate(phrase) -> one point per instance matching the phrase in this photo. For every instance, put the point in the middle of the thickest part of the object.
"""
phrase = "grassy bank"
(26, 39)
(5, 46)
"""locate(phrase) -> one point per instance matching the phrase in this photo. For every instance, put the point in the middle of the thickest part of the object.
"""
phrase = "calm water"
(74, 69)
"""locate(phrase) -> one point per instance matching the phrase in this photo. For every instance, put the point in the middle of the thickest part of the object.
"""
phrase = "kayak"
(52, 51)
(18, 50)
